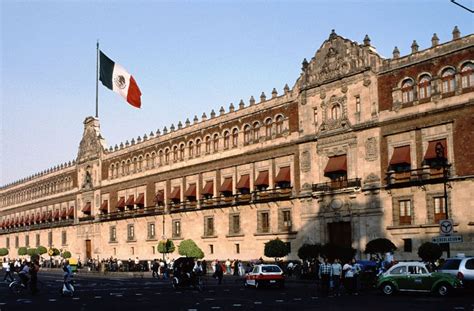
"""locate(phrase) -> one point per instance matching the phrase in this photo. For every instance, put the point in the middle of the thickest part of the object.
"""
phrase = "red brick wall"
(464, 144)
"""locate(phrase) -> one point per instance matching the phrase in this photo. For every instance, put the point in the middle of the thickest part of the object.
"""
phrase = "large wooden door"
(340, 233)
(88, 249)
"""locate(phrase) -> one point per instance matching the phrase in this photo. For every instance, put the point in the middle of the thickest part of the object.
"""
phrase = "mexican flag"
(116, 78)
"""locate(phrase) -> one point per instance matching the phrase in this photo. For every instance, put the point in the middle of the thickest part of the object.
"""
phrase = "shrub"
(276, 249)
(66, 254)
(41, 250)
(380, 246)
(429, 252)
(333, 251)
(32, 251)
(309, 251)
(22, 251)
(3, 251)
(56, 252)
(189, 248)
(166, 246)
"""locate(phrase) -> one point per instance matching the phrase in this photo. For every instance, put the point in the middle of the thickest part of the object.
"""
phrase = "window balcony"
(337, 185)
(417, 177)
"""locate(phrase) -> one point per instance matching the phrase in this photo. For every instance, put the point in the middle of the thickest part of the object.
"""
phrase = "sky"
(188, 57)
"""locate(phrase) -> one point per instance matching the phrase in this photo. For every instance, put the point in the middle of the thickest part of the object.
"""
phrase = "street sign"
(447, 239)
(446, 227)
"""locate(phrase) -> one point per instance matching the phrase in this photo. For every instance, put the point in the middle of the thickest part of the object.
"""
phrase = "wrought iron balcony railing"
(337, 185)
(417, 177)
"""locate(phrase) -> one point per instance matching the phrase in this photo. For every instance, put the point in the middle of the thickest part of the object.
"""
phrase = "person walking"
(34, 269)
(154, 269)
(336, 277)
(325, 272)
(8, 277)
(348, 271)
(219, 274)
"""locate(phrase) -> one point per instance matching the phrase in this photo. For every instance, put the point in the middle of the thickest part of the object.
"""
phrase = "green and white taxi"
(413, 276)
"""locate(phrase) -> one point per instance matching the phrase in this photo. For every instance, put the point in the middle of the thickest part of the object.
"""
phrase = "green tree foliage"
(429, 252)
(32, 251)
(380, 246)
(166, 246)
(189, 248)
(333, 251)
(309, 251)
(41, 250)
(276, 249)
(22, 251)
(66, 254)
(56, 252)
(3, 251)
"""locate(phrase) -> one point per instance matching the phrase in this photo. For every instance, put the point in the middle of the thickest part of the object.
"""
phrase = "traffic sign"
(446, 227)
(447, 239)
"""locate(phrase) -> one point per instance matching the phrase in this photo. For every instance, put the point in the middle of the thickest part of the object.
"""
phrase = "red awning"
(262, 179)
(121, 203)
(244, 182)
(64, 213)
(337, 164)
(104, 207)
(43, 216)
(50, 215)
(71, 212)
(38, 217)
(32, 218)
(140, 200)
(130, 201)
(208, 188)
(435, 147)
(226, 185)
(22, 220)
(191, 191)
(284, 175)
(87, 208)
(401, 155)
(160, 196)
(176, 193)
(56, 214)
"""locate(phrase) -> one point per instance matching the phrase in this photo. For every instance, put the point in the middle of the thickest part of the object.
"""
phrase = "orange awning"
(176, 193)
(38, 217)
(191, 191)
(130, 200)
(283, 175)
(121, 203)
(56, 214)
(226, 185)
(104, 207)
(71, 212)
(160, 196)
(401, 155)
(50, 215)
(435, 147)
(64, 213)
(262, 179)
(244, 182)
(32, 218)
(208, 188)
(140, 200)
(337, 164)
(87, 208)
(43, 216)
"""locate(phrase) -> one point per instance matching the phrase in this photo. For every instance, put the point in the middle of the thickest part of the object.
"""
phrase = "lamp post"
(442, 161)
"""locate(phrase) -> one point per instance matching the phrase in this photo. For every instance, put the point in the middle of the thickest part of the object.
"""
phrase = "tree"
(41, 250)
(22, 251)
(32, 251)
(276, 249)
(380, 246)
(66, 254)
(333, 251)
(56, 251)
(166, 246)
(429, 252)
(189, 248)
(309, 251)
(3, 251)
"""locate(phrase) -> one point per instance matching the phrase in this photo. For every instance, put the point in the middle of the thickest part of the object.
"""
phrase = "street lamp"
(442, 161)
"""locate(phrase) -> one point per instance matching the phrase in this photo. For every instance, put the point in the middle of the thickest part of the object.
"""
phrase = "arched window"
(268, 128)
(191, 149)
(111, 171)
(153, 159)
(208, 144)
(147, 162)
(256, 131)
(175, 153)
(407, 91)
(160, 157)
(336, 112)
(467, 75)
(134, 165)
(279, 125)
(226, 139)
(117, 165)
(127, 167)
(167, 156)
(448, 80)
(181, 152)
(198, 147)
(140, 161)
(216, 143)
(247, 134)
(424, 87)
(235, 137)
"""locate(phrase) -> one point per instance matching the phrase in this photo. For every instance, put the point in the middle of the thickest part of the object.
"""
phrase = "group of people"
(27, 272)
(335, 277)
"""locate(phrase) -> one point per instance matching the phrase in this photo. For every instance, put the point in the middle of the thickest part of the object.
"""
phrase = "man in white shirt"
(336, 277)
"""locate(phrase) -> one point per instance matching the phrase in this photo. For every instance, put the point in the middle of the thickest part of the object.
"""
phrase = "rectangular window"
(113, 234)
(7, 242)
(357, 98)
(38, 240)
(209, 226)
(264, 222)
(50, 239)
(130, 232)
(132, 250)
(405, 212)
(151, 231)
(27, 240)
(237, 248)
(315, 116)
(234, 224)
(407, 245)
(211, 249)
(176, 228)
(17, 242)
(64, 238)
(285, 220)
(439, 209)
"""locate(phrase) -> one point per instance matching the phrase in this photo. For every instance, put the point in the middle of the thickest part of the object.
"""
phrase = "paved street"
(95, 292)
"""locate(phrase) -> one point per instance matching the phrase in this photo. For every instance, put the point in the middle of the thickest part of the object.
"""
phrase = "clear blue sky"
(188, 57)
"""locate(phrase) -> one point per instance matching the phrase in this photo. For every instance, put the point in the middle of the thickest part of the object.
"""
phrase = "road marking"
(97, 297)
(257, 302)
(278, 300)
(75, 298)
(138, 294)
(458, 308)
(52, 300)
(215, 308)
(209, 299)
(314, 297)
(192, 309)
(297, 299)
(236, 305)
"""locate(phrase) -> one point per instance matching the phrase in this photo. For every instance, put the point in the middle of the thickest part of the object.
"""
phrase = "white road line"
(52, 300)
(98, 297)
(257, 302)
(278, 300)
(297, 299)
(236, 305)
(75, 298)
(215, 308)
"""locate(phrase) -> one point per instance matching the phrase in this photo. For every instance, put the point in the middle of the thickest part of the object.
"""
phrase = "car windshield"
(451, 264)
(271, 269)
(470, 264)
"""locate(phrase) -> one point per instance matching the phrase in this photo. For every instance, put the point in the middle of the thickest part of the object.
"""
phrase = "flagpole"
(97, 83)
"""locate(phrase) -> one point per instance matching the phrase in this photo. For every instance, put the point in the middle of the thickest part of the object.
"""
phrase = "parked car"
(460, 267)
(414, 276)
(262, 275)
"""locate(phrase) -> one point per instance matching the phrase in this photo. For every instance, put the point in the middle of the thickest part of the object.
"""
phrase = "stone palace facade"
(360, 147)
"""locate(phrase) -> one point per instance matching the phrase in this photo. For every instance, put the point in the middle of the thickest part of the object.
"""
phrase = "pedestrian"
(8, 277)
(34, 269)
(348, 271)
(336, 277)
(325, 272)
(356, 270)
(236, 267)
(204, 267)
(154, 269)
(219, 273)
(289, 268)
(227, 266)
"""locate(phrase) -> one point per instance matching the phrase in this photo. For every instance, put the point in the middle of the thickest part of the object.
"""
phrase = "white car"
(265, 275)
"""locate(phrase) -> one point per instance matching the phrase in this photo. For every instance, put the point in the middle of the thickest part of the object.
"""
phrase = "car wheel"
(388, 289)
(443, 289)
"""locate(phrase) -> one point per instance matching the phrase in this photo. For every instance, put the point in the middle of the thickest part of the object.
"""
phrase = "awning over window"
(401, 155)
(71, 212)
(208, 188)
(283, 175)
(104, 207)
(226, 185)
(43, 216)
(160, 196)
(22, 220)
(130, 200)
(56, 214)
(50, 215)
(244, 182)
(337, 164)
(64, 213)
(191, 191)
(87, 208)
(176, 193)
(140, 200)
(262, 179)
(436, 149)
(32, 218)
(121, 203)
(38, 217)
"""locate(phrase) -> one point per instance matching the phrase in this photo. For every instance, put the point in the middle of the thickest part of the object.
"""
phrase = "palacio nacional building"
(359, 147)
